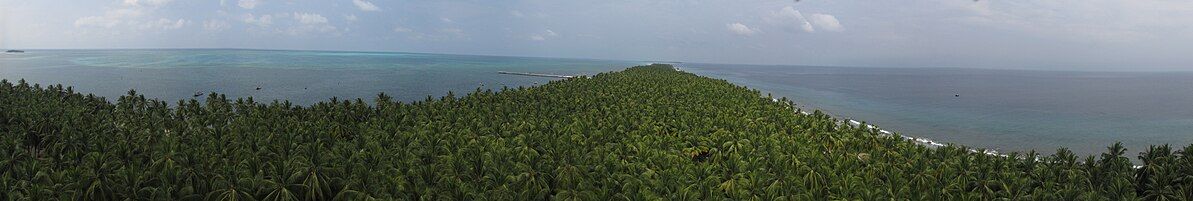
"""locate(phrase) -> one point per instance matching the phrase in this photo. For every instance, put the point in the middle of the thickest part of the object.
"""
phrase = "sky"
(1117, 35)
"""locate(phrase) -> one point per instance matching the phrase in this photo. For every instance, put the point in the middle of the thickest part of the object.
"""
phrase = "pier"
(535, 74)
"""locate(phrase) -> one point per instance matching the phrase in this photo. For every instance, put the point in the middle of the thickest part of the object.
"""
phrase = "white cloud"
(110, 18)
(365, 5)
(304, 24)
(164, 24)
(741, 29)
(350, 17)
(248, 4)
(153, 3)
(215, 25)
(310, 18)
(446, 20)
(826, 22)
(307, 29)
(789, 18)
(264, 20)
(133, 15)
(516, 13)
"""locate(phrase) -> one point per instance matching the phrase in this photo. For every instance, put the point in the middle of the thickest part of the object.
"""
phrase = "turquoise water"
(303, 77)
(1004, 110)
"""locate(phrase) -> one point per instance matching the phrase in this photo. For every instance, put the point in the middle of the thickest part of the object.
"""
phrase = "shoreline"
(929, 143)
(882, 132)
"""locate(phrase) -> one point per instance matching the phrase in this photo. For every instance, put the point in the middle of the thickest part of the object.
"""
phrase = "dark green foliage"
(647, 132)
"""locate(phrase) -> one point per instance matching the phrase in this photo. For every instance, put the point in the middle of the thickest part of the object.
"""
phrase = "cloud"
(133, 15)
(826, 22)
(152, 3)
(741, 29)
(248, 4)
(215, 25)
(264, 20)
(310, 18)
(308, 29)
(790, 19)
(365, 5)
(446, 20)
(164, 24)
(110, 18)
(350, 17)
(516, 13)
(307, 23)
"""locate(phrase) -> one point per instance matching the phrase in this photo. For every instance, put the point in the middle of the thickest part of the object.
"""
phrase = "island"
(644, 133)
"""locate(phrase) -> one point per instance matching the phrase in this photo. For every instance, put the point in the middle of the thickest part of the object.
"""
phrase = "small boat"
(956, 95)
(198, 93)
(15, 51)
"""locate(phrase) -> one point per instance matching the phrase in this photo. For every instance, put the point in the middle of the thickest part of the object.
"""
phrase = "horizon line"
(627, 60)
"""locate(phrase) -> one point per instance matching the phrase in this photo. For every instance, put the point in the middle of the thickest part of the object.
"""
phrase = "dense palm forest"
(648, 132)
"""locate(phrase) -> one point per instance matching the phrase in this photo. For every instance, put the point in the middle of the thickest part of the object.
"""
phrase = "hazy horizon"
(1102, 35)
(1190, 70)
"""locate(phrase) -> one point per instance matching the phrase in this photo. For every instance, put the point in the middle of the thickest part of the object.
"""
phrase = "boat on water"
(15, 51)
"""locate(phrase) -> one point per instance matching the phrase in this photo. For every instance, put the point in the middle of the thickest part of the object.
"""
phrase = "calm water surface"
(1005, 110)
(303, 77)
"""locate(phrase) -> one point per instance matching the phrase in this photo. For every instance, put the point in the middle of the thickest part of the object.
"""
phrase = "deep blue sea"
(1004, 110)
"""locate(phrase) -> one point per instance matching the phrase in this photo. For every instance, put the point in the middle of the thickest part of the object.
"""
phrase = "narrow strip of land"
(534, 74)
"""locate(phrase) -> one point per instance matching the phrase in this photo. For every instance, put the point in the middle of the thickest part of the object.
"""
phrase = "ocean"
(302, 77)
(1002, 110)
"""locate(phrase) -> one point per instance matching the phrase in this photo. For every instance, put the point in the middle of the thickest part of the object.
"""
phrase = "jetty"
(535, 74)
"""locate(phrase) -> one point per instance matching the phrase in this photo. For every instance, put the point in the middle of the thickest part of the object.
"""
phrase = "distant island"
(15, 51)
(645, 133)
